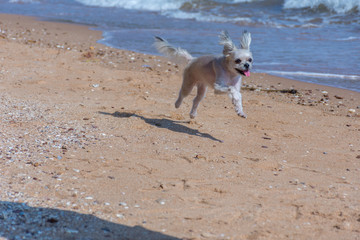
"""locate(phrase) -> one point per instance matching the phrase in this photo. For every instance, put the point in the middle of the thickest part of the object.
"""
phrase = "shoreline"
(89, 132)
(97, 35)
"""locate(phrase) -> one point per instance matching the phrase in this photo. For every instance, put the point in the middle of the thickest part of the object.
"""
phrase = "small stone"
(161, 201)
(351, 110)
(147, 66)
(69, 230)
(52, 220)
(198, 156)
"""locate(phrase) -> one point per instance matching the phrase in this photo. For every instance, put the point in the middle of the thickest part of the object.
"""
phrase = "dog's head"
(238, 60)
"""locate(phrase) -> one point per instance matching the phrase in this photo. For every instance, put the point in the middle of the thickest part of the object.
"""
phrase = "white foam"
(23, 1)
(242, 1)
(339, 6)
(150, 5)
(348, 39)
(205, 18)
(312, 74)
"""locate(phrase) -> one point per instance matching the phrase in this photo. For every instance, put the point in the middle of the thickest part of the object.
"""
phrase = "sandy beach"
(92, 147)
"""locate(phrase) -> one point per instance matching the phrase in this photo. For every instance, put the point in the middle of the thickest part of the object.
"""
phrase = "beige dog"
(223, 73)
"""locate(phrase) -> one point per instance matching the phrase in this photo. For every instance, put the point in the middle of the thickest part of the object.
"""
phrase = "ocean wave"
(150, 5)
(348, 39)
(205, 17)
(337, 6)
(244, 1)
(23, 1)
(243, 12)
(312, 74)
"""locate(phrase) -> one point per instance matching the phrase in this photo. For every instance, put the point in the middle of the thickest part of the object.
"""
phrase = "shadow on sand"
(20, 221)
(175, 126)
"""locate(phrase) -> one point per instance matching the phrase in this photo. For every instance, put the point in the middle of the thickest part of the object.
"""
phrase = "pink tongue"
(247, 73)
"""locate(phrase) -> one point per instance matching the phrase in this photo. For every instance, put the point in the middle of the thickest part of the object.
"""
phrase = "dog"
(223, 73)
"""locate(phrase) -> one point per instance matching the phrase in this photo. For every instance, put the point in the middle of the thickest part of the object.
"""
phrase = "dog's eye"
(237, 61)
(250, 60)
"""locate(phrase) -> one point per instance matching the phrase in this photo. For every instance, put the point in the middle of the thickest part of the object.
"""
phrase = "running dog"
(223, 73)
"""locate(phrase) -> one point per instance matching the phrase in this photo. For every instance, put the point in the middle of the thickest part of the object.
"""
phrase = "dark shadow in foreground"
(20, 221)
(175, 126)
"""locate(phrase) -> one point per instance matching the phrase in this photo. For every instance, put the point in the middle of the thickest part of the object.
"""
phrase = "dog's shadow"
(175, 126)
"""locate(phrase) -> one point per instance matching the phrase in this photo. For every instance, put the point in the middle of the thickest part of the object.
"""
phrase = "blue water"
(309, 40)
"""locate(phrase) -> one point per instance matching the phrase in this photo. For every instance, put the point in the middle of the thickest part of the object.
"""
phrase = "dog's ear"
(245, 40)
(225, 40)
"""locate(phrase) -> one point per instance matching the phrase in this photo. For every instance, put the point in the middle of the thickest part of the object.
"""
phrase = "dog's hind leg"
(186, 88)
(201, 91)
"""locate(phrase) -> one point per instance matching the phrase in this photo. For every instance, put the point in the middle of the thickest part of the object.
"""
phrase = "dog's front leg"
(235, 95)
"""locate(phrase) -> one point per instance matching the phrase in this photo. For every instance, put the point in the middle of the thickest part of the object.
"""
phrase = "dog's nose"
(246, 65)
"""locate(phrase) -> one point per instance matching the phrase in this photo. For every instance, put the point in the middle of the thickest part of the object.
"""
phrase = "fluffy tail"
(170, 51)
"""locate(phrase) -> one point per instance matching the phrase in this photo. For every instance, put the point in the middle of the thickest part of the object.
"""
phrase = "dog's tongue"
(247, 73)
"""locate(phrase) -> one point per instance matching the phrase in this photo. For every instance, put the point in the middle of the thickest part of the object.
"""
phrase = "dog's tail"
(170, 51)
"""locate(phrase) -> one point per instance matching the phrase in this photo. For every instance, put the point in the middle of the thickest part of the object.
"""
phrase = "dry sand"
(91, 147)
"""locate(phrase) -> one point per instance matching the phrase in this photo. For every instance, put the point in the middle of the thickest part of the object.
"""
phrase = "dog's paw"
(193, 114)
(178, 103)
(242, 114)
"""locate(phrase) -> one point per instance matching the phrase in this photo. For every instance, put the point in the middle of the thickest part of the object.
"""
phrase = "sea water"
(309, 40)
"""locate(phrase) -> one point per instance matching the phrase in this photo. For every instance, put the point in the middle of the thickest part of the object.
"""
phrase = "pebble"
(161, 201)
(147, 66)
(352, 110)
(71, 231)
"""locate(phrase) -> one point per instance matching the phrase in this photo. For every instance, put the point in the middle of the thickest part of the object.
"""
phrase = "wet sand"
(92, 147)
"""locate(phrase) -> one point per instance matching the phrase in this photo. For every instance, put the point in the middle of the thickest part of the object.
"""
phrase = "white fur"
(223, 73)
(165, 48)
(245, 40)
